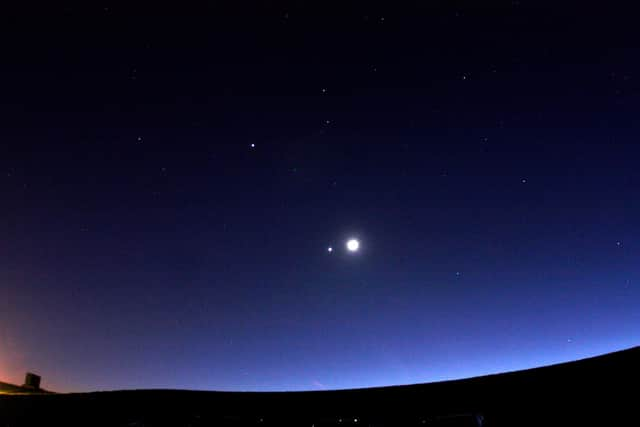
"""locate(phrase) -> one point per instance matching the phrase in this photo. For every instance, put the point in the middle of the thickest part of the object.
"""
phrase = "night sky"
(172, 179)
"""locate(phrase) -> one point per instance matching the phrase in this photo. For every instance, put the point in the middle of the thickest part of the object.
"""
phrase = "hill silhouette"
(6, 388)
(600, 390)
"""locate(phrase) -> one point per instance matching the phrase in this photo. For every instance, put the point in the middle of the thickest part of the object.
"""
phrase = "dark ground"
(598, 391)
(10, 388)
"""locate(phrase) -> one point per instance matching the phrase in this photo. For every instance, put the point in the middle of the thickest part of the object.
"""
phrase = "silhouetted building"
(32, 381)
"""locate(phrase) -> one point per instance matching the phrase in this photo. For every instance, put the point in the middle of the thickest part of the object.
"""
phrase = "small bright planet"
(353, 245)
(329, 249)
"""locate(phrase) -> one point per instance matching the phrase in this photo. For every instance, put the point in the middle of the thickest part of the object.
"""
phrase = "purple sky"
(172, 180)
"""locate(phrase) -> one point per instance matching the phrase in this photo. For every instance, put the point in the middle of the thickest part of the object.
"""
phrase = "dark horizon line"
(374, 388)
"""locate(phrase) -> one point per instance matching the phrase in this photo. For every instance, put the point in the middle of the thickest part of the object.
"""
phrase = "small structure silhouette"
(32, 381)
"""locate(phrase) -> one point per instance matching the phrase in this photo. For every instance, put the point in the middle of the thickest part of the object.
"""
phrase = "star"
(330, 249)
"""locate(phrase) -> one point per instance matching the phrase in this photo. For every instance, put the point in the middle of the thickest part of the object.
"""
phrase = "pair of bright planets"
(352, 245)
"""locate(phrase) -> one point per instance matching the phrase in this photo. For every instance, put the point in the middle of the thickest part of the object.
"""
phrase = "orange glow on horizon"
(9, 376)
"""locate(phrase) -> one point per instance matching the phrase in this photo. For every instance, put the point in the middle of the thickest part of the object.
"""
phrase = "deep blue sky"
(171, 180)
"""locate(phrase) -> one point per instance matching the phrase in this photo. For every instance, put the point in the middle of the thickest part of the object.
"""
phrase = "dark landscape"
(599, 391)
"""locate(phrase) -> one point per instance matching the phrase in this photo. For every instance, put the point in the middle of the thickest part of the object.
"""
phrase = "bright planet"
(353, 245)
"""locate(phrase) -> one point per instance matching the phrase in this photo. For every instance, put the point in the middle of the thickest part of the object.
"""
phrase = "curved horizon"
(448, 379)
